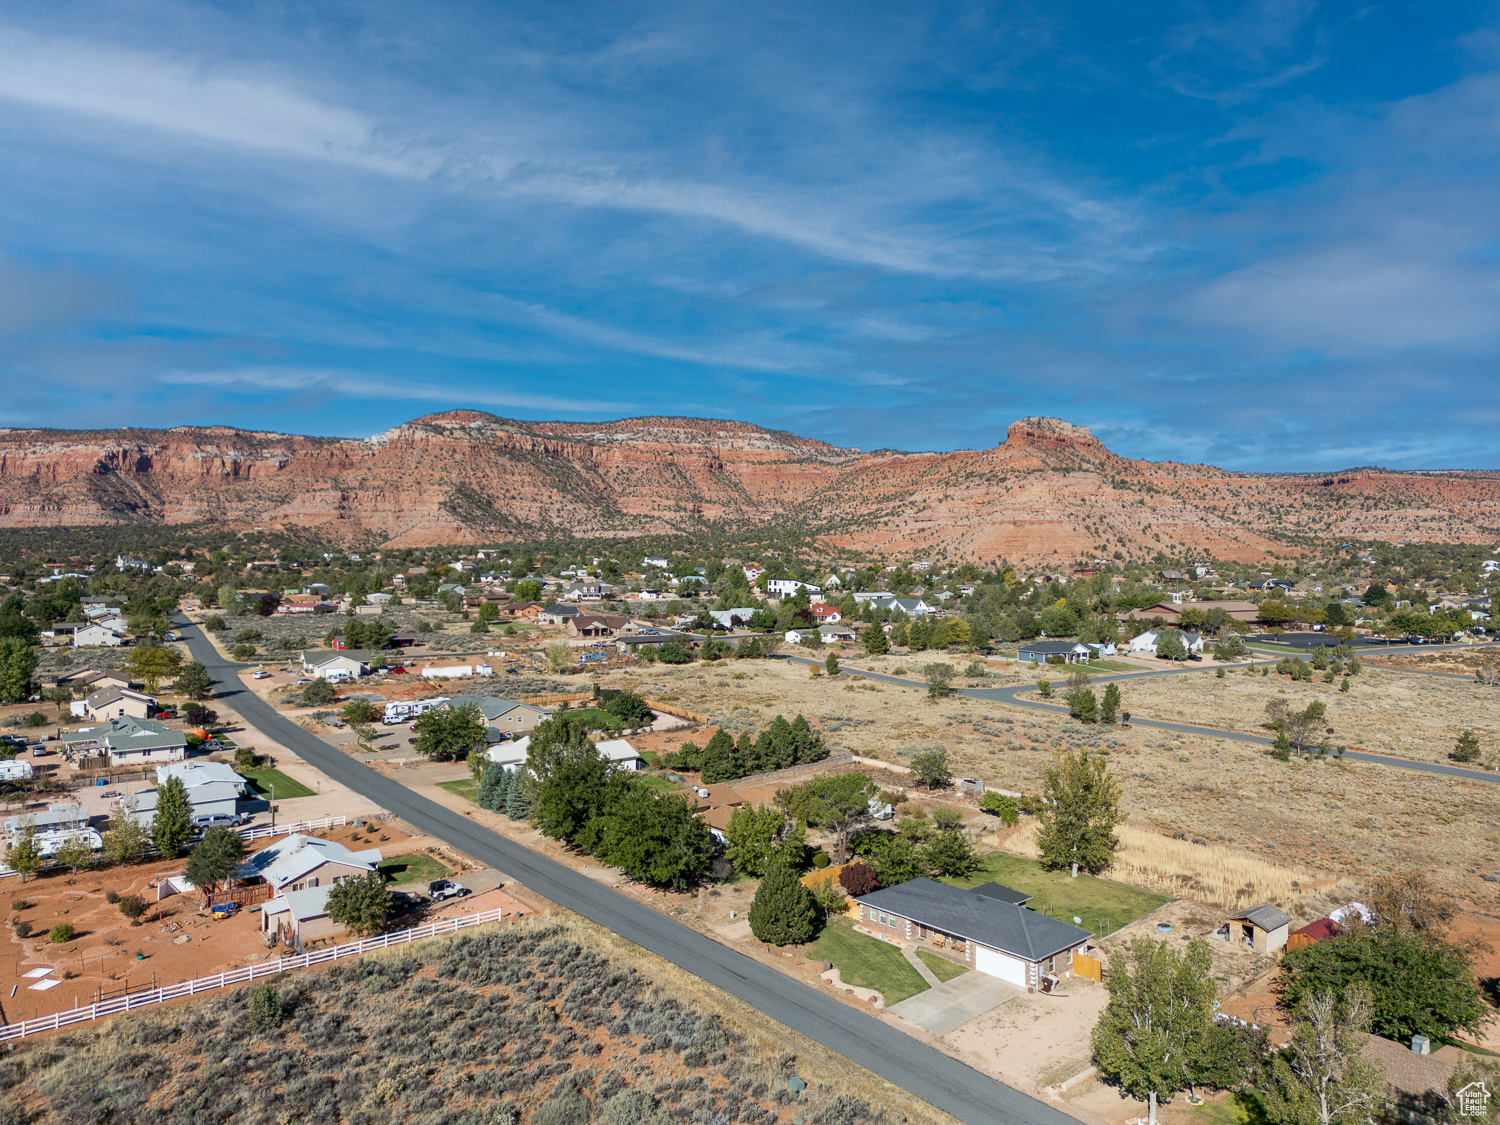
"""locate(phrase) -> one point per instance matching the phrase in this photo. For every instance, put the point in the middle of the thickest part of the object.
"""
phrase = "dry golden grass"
(1206, 873)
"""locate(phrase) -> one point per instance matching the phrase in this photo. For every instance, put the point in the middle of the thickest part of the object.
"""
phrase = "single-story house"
(297, 862)
(1040, 652)
(730, 618)
(1146, 642)
(58, 818)
(653, 637)
(623, 755)
(194, 774)
(130, 741)
(96, 636)
(93, 679)
(114, 701)
(297, 917)
(886, 603)
(351, 663)
(828, 634)
(1105, 648)
(1261, 928)
(992, 931)
(596, 625)
(511, 756)
(528, 610)
(213, 798)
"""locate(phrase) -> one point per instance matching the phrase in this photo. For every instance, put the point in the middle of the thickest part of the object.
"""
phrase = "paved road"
(1011, 696)
(928, 1074)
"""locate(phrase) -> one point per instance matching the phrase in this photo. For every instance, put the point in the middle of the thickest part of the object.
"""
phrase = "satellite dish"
(1077, 921)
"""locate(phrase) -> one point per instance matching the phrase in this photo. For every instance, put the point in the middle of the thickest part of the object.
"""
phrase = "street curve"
(920, 1070)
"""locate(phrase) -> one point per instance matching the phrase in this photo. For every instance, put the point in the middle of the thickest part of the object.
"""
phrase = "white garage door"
(997, 964)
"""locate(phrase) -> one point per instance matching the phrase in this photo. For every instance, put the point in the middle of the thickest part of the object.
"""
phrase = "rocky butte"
(1050, 491)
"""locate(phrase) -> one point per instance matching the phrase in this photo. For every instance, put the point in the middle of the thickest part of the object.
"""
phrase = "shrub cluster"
(503, 1026)
(778, 746)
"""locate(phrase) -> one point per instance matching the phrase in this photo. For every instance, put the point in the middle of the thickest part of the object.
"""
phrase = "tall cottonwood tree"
(1322, 1078)
(1081, 809)
(1152, 1035)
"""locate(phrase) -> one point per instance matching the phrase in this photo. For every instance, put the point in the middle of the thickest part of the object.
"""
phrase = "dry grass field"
(1384, 712)
(1332, 818)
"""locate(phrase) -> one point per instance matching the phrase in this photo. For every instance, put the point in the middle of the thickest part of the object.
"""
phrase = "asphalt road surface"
(926, 1073)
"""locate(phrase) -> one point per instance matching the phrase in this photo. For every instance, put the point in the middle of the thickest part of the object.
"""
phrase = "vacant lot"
(1333, 818)
(1384, 712)
(272, 782)
(542, 1021)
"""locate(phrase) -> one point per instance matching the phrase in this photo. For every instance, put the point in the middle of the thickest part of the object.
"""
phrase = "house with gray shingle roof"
(989, 927)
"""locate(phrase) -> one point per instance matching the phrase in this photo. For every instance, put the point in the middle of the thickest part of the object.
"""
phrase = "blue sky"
(1265, 236)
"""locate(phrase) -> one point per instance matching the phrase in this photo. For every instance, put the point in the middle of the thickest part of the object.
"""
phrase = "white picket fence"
(232, 977)
(265, 830)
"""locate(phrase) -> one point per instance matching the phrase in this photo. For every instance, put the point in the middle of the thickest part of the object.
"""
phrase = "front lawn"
(942, 968)
(287, 788)
(413, 867)
(1104, 906)
(593, 718)
(468, 790)
(866, 962)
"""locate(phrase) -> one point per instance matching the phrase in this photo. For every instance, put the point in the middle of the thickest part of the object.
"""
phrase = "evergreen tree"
(656, 838)
(173, 823)
(875, 640)
(1109, 707)
(517, 807)
(783, 911)
(493, 788)
(360, 904)
(1466, 749)
(1080, 810)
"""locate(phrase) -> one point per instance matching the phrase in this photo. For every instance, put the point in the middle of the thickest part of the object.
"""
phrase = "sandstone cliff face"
(1050, 491)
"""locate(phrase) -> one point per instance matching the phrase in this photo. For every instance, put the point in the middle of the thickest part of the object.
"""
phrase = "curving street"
(936, 1078)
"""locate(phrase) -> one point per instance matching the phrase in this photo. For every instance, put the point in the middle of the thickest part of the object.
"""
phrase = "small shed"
(1321, 930)
(1262, 928)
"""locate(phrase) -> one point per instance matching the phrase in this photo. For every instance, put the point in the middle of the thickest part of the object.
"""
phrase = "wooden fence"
(1086, 966)
(680, 712)
(133, 1000)
(546, 700)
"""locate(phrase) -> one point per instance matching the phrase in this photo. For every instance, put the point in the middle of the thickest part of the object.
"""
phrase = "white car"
(261, 674)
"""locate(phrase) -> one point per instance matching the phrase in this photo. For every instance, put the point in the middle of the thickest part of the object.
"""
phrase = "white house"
(729, 618)
(1146, 642)
(657, 561)
(330, 665)
(828, 634)
(96, 636)
(511, 756)
(786, 587)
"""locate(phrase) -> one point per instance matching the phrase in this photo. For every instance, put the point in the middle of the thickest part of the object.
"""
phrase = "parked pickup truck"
(440, 889)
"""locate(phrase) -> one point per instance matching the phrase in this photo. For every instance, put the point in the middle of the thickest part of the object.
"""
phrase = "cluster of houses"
(104, 627)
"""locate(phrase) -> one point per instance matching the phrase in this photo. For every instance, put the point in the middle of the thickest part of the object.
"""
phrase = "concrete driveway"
(955, 1002)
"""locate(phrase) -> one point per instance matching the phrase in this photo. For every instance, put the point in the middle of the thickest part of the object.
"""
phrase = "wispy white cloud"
(183, 96)
(358, 385)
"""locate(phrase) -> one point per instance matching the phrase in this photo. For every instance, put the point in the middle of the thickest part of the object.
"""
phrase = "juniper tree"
(783, 911)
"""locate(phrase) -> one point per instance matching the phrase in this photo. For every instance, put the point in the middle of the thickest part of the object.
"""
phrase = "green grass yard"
(287, 788)
(941, 967)
(594, 718)
(656, 784)
(867, 962)
(1104, 906)
(412, 868)
(468, 790)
